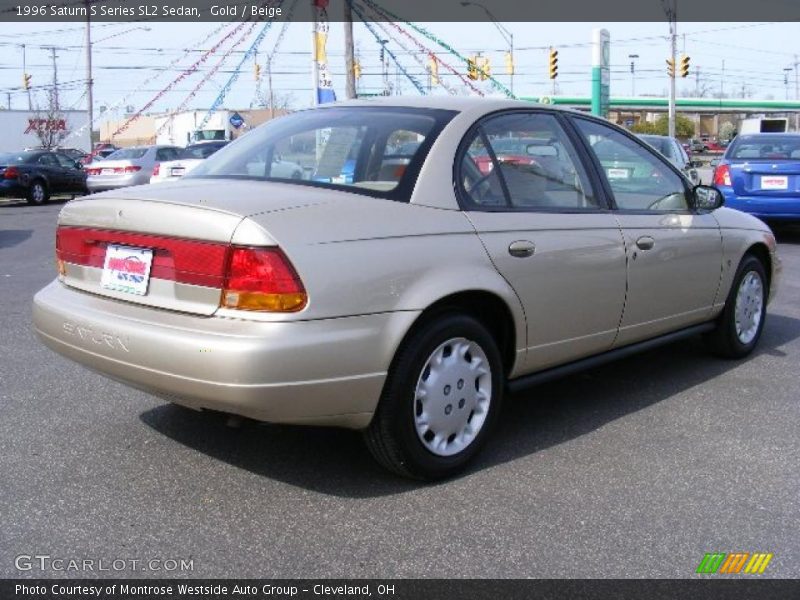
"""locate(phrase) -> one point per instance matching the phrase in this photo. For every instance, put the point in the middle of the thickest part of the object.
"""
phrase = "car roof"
(457, 103)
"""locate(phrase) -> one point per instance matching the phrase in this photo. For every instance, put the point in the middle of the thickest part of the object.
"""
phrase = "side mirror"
(705, 197)
(78, 165)
(714, 163)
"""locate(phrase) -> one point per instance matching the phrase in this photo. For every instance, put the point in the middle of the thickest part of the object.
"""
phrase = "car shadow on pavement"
(12, 237)
(336, 462)
(786, 233)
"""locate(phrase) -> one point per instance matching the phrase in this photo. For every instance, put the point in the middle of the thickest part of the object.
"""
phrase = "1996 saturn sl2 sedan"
(402, 294)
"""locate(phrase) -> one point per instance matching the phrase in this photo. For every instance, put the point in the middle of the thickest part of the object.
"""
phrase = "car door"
(674, 254)
(73, 177)
(547, 233)
(51, 169)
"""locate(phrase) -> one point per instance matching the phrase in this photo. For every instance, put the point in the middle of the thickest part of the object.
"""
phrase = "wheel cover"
(749, 306)
(38, 192)
(452, 397)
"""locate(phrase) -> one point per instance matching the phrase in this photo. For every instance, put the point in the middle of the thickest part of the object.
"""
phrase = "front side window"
(522, 161)
(638, 178)
(372, 150)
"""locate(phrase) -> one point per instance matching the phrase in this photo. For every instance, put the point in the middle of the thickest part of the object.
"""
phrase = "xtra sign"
(35, 125)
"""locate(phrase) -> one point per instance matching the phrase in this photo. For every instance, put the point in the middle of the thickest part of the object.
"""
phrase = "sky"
(132, 65)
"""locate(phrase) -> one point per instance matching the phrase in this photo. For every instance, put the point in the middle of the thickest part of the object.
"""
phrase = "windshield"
(352, 148)
(199, 151)
(127, 153)
(765, 147)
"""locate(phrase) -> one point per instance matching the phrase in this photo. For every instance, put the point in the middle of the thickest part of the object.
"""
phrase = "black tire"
(392, 436)
(724, 341)
(37, 192)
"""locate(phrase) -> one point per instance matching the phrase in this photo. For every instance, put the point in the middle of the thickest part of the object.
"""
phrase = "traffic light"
(433, 67)
(484, 68)
(671, 67)
(256, 71)
(357, 69)
(509, 63)
(684, 65)
(26, 81)
(553, 63)
(472, 68)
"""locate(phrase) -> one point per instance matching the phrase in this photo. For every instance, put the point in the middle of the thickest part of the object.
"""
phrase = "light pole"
(633, 58)
(508, 37)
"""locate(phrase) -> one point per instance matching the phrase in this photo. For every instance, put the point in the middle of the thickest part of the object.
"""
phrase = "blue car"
(760, 175)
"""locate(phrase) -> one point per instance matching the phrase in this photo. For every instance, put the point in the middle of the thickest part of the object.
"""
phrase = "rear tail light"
(92, 171)
(11, 173)
(131, 169)
(262, 279)
(156, 169)
(722, 175)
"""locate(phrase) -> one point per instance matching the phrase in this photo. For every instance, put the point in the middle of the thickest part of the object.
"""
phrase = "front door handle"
(645, 243)
(521, 249)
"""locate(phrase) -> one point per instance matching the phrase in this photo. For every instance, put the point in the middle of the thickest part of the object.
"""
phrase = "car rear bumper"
(11, 188)
(765, 207)
(101, 183)
(319, 372)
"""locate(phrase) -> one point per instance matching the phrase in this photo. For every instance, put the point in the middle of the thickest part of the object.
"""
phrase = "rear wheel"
(742, 321)
(37, 192)
(440, 401)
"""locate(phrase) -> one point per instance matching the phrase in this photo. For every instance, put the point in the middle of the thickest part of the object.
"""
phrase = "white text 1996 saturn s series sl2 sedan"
(435, 253)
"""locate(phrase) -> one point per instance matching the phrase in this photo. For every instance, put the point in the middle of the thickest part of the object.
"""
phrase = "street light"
(508, 36)
(633, 58)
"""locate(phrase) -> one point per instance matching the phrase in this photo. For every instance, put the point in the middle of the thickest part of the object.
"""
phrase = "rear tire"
(440, 401)
(37, 192)
(742, 320)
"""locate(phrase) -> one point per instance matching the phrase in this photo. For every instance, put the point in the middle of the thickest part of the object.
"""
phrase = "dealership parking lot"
(635, 469)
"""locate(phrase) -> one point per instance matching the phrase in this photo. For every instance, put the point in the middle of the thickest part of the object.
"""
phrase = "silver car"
(127, 167)
(402, 302)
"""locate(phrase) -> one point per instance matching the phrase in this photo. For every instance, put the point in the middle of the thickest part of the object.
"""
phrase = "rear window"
(352, 148)
(127, 153)
(199, 151)
(9, 158)
(765, 148)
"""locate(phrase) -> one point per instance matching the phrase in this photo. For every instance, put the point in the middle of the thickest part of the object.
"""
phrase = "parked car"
(674, 152)
(402, 304)
(127, 167)
(697, 146)
(38, 174)
(760, 174)
(188, 159)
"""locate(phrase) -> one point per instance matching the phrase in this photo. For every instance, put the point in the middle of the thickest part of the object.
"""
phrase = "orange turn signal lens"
(264, 302)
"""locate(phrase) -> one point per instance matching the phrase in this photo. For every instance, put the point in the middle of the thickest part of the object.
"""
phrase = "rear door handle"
(645, 242)
(521, 249)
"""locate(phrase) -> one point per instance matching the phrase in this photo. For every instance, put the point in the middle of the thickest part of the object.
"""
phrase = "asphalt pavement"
(636, 469)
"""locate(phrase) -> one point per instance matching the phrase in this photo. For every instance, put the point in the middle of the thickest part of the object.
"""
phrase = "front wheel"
(742, 321)
(440, 400)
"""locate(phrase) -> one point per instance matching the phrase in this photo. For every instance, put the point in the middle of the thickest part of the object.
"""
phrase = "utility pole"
(8, 99)
(89, 80)
(349, 51)
(55, 77)
(673, 36)
(796, 79)
(722, 81)
(25, 72)
(269, 84)
(697, 82)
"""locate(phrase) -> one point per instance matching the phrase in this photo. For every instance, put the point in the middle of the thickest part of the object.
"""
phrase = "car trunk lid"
(768, 178)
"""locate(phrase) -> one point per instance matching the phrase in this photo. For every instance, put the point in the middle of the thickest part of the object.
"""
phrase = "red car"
(518, 151)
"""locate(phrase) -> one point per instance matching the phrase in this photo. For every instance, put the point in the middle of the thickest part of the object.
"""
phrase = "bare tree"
(48, 123)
